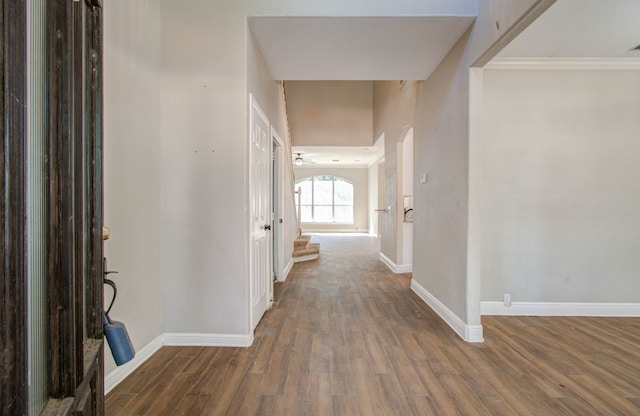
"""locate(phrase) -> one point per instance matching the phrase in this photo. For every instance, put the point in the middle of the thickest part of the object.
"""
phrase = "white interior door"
(260, 195)
(277, 229)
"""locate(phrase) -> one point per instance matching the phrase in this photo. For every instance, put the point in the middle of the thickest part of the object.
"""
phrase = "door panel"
(260, 212)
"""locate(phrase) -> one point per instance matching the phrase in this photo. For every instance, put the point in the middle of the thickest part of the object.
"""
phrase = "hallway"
(348, 337)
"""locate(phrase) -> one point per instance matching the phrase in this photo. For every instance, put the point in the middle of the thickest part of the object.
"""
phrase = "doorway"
(277, 205)
(405, 201)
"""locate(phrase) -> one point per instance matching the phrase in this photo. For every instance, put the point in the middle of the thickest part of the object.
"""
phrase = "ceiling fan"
(298, 160)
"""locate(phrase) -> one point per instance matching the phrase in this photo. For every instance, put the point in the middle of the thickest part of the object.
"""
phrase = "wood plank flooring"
(347, 337)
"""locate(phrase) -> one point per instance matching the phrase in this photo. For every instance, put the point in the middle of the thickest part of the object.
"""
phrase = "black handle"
(267, 227)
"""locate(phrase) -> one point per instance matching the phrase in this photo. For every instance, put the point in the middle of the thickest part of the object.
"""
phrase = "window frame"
(333, 205)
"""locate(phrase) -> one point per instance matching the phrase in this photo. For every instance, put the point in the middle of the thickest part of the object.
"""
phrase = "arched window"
(325, 199)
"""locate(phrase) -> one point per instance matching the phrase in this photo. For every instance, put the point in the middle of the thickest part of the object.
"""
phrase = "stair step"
(308, 257)
(310, 253)
(301, 242)
(313, 248)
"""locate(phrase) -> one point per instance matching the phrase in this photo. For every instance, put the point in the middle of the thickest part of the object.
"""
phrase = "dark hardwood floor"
(347, 337)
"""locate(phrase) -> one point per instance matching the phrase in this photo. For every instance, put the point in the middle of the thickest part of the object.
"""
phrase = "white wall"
(204, 146)
(360, 179)
(330, 113)
(176, 159)
(372, 174)
(393, 116)
(406, 250)
(132, 166)
(560, 195)
(270, 96)
(192, 228)
(205, 153)
(441, 146)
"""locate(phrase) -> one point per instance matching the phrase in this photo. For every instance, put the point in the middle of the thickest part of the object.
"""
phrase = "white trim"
(379, 158)
(254, 276)
(306, 229)
(287, 270)
(277, 190)
(391, 265)
(208, 340)
(120, 373)
(469, 333)
(396, 268)
(473, 333)
(561, 309)
(474, 198)
(306, 257)
(564, 63)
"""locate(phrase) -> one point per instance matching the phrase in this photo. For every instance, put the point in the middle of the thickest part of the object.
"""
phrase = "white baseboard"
(115, 377)
(309, 230)
(120, 373)
(306, 257)
(396, 268)
(469, 333)
(404, 268)
(208, 340)
(286, 270)
(561, 309)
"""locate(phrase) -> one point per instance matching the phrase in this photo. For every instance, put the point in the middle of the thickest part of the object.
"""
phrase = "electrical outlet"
(507, 299)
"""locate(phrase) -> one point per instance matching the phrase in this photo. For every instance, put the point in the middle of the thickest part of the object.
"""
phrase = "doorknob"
(267, 227)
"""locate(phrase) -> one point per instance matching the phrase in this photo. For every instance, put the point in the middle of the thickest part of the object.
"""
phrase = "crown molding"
(563, 63)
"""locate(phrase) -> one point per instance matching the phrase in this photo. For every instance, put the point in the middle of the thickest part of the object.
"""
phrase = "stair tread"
(302, 242)
(314, 248)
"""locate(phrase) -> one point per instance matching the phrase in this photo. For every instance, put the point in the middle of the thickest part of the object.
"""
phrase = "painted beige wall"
(441, 146)
(205, 196)
(373, 175)
(360, 179)
(393, 116)
(132, 166)
(197, 234)
(330, 113)
(405, 251)
(270, 96)
(176, 159)
(560, 199)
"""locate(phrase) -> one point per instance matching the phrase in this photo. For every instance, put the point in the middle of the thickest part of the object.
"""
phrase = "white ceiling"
(581, 29)
(356, 48)
(398, 48)
(339, 156)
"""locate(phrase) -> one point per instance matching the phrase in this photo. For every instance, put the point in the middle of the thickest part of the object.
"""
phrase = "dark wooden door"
(73, 192)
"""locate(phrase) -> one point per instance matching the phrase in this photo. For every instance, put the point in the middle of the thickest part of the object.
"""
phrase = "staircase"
(304, 249)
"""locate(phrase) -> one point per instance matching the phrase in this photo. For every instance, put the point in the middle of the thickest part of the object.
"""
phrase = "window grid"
(313, 205)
